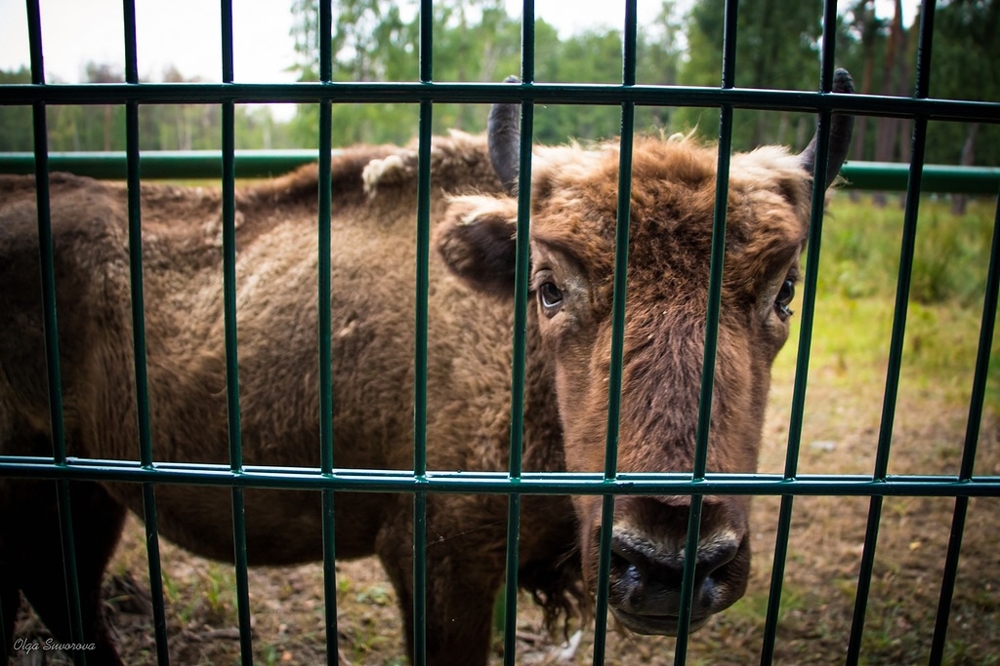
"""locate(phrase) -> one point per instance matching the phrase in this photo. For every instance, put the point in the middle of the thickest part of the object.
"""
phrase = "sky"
(186, 34)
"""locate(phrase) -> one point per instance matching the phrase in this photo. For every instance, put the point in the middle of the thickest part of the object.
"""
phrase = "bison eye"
(784, 298)
(550, 297)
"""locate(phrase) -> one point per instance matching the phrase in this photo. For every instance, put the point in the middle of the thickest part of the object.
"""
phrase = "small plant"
(376, 595)
(217, 584)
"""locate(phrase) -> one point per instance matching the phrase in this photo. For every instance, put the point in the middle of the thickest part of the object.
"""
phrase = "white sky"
(186, 34)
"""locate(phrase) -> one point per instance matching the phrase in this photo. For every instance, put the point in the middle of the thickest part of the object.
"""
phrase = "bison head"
(574, 196)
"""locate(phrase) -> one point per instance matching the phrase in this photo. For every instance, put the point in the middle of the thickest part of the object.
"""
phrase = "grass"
(856, 292)
(861, 245)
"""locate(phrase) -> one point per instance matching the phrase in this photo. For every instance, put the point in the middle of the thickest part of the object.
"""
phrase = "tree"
(73, 128)
(161, 126)
(373, 40)
(775, 38)
(15, 121)
(104, 73)
(473, 41)
(660, 50)
(964, 66)
(866, 28)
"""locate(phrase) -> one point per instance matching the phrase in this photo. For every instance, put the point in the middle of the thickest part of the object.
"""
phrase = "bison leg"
(38, 567)
(465, 566)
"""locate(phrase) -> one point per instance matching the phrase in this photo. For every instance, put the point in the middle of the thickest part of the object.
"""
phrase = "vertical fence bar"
(50, 322)
(976, 401)
(325, 326)
(232, 361)
(324, 242)
(718, 243)
(139, 337)
(800, 385)
(420, 345)
(521, 277)
(619, 296)
(898, 331)
(711, 329)
(805, 335)
(511, 569)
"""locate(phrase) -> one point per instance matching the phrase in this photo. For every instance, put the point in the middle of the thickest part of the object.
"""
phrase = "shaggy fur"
(573, 218)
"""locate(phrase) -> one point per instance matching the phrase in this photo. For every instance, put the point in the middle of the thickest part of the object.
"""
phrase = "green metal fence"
(425, 92)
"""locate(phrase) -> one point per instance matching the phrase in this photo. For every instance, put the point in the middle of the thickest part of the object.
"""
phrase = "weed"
(178, 598)
(269, 653)
(368, 641)
(377, 595)
(214, 588)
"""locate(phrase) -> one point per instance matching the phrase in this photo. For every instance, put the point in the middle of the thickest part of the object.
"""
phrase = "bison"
(473, 212)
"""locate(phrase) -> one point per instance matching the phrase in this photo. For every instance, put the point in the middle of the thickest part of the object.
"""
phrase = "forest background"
(479, 40)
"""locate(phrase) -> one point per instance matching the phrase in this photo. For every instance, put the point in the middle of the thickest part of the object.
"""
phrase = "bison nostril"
(642, 559)
(629, 566)
(623, 551)
(629, 580)
(644, 579)
(714, 555)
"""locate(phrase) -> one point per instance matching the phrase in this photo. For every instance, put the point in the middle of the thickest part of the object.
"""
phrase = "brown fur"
(374, 204)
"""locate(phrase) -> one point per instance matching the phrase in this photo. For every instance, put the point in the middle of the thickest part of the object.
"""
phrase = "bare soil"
(827, 539)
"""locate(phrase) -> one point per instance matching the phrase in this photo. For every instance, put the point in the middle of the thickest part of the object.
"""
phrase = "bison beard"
(573, 195)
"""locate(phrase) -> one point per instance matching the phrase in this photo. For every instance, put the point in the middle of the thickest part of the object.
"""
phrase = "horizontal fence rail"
(194, 164)
(528, 483)
(488, 93)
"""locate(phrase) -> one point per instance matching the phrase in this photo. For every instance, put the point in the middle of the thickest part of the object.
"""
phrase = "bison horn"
(840, 134)
(503, 136)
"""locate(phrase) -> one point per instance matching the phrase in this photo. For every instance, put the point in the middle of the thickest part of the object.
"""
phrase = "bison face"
(572, 255)
(573, 223)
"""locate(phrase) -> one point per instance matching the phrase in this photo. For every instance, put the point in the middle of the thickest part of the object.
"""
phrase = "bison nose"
(646, 578)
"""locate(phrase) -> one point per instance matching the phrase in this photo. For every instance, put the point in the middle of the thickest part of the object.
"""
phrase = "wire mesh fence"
(422, 481)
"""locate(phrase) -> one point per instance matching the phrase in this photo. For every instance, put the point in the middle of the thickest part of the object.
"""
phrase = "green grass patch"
(752, 608)
(856, 294)
(861, 248)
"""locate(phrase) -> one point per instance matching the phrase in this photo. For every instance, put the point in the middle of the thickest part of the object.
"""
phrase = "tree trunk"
(865, 17)
(887, 129)
(903, 83)
(959, 201)
(107, 128)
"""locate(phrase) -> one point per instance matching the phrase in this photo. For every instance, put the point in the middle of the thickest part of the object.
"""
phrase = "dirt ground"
(840, 435)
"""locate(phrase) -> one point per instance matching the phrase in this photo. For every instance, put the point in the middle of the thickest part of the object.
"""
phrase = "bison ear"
(476, 242)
